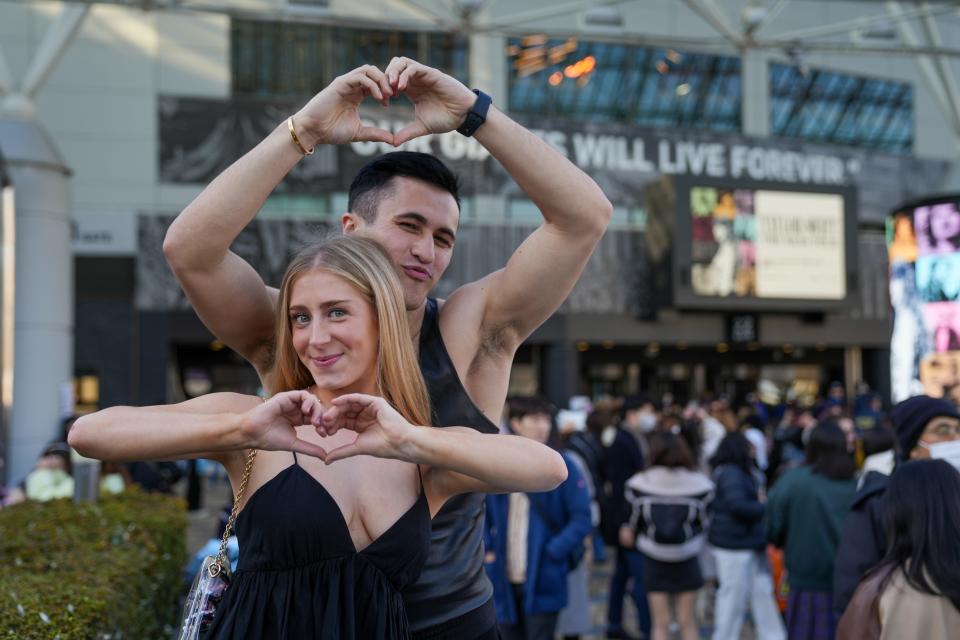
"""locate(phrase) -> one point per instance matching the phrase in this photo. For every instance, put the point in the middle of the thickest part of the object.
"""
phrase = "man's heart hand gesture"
(440, 102)
(332, 116)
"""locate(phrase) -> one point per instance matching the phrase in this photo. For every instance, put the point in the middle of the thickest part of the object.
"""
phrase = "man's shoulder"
(873, 488)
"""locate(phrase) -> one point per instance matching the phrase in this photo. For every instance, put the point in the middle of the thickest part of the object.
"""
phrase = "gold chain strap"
(217, 566)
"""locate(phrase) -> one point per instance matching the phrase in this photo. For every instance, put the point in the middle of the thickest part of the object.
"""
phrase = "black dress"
(300, 576)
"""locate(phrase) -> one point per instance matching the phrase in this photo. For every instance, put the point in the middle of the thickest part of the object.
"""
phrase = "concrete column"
(755, 107)
(560, 372)
(488, 67)
(43, 321)
(852, 369)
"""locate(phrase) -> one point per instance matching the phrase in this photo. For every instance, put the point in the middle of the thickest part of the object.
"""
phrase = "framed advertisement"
(742, 245)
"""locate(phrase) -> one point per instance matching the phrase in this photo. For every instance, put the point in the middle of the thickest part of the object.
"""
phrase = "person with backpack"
(667, 523)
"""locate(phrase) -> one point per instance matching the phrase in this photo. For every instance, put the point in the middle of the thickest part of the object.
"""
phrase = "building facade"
(712, 275)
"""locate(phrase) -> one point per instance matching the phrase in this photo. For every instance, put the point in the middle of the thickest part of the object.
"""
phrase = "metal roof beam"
(712, 15)
(946, 73)
(864, 21)
(6, 78)
(54, 43)
(929, 72)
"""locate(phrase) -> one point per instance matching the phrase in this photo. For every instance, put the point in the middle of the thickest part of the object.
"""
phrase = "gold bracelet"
(296, 140)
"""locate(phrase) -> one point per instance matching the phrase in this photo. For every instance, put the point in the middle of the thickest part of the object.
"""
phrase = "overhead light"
(603, 17)
(752, 16)
(470, 6)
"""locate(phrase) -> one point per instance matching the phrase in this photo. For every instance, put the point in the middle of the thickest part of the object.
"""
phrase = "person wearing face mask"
(925, 428)
(534, 539)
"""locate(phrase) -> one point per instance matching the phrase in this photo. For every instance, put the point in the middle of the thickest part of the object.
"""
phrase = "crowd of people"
(823, 520)
(52, 478)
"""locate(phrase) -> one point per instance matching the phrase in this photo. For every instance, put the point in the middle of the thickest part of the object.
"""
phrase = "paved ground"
(201, 525)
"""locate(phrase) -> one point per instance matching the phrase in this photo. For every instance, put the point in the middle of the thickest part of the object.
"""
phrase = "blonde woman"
(327, 549)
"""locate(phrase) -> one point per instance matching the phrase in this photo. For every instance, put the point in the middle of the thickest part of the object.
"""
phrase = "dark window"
(826, 106)
(614, 82)
(294, 61)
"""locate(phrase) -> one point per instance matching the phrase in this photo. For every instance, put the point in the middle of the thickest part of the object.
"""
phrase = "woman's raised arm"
(211, 426)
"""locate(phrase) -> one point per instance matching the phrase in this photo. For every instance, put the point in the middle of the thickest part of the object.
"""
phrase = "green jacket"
(805, 515)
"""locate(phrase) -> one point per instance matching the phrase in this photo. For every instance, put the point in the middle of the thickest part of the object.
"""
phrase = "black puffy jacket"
(737, 521)
(863, 541)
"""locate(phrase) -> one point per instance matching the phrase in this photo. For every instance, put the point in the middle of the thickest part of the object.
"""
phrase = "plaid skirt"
(810, 616)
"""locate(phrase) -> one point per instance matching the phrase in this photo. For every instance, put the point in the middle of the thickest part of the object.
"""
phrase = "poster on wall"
(924, 252)
(755, 247)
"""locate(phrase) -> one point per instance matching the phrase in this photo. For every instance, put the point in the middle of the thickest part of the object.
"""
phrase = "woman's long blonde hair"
(365, 265)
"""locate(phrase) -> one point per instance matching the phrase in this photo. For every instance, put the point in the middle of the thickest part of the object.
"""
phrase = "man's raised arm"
(544, 269)
(227, 293)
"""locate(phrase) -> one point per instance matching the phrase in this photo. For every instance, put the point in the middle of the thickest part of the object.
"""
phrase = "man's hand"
(381, 430)
(332, 116)
(271, 426)
(440, 102)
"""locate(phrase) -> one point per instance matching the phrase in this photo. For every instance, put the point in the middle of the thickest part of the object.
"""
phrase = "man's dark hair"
(634, 402)
(520, 406)
(827, 452)
(373, 182)
(669, 449)
(598, 420)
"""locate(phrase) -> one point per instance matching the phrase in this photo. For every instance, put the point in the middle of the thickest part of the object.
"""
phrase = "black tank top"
(300, 576)
(453, 583)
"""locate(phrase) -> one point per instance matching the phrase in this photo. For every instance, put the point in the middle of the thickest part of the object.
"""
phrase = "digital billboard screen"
(753, 246)
(923, 241)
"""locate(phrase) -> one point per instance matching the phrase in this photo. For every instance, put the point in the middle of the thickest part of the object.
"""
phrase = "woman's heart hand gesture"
(381, 430)
(271, 426)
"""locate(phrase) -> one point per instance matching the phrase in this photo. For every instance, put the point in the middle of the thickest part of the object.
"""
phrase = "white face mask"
(648, 421)
(949, 451)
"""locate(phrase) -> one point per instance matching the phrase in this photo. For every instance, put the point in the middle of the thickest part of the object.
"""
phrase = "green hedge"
(105, 570)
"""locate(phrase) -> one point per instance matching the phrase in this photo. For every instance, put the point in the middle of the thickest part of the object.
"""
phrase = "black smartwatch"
(477, 114)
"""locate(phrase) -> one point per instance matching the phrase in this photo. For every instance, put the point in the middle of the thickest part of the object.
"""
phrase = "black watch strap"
(477, 114)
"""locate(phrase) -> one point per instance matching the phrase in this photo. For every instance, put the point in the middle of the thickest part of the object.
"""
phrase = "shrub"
(105, 570)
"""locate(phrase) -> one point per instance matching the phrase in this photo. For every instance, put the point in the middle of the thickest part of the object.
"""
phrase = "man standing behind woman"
(409, 203)
(534, 539)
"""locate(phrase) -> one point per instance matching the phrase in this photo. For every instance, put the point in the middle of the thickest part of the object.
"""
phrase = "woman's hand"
(271, 426)
(381, 430)
(332, 116)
